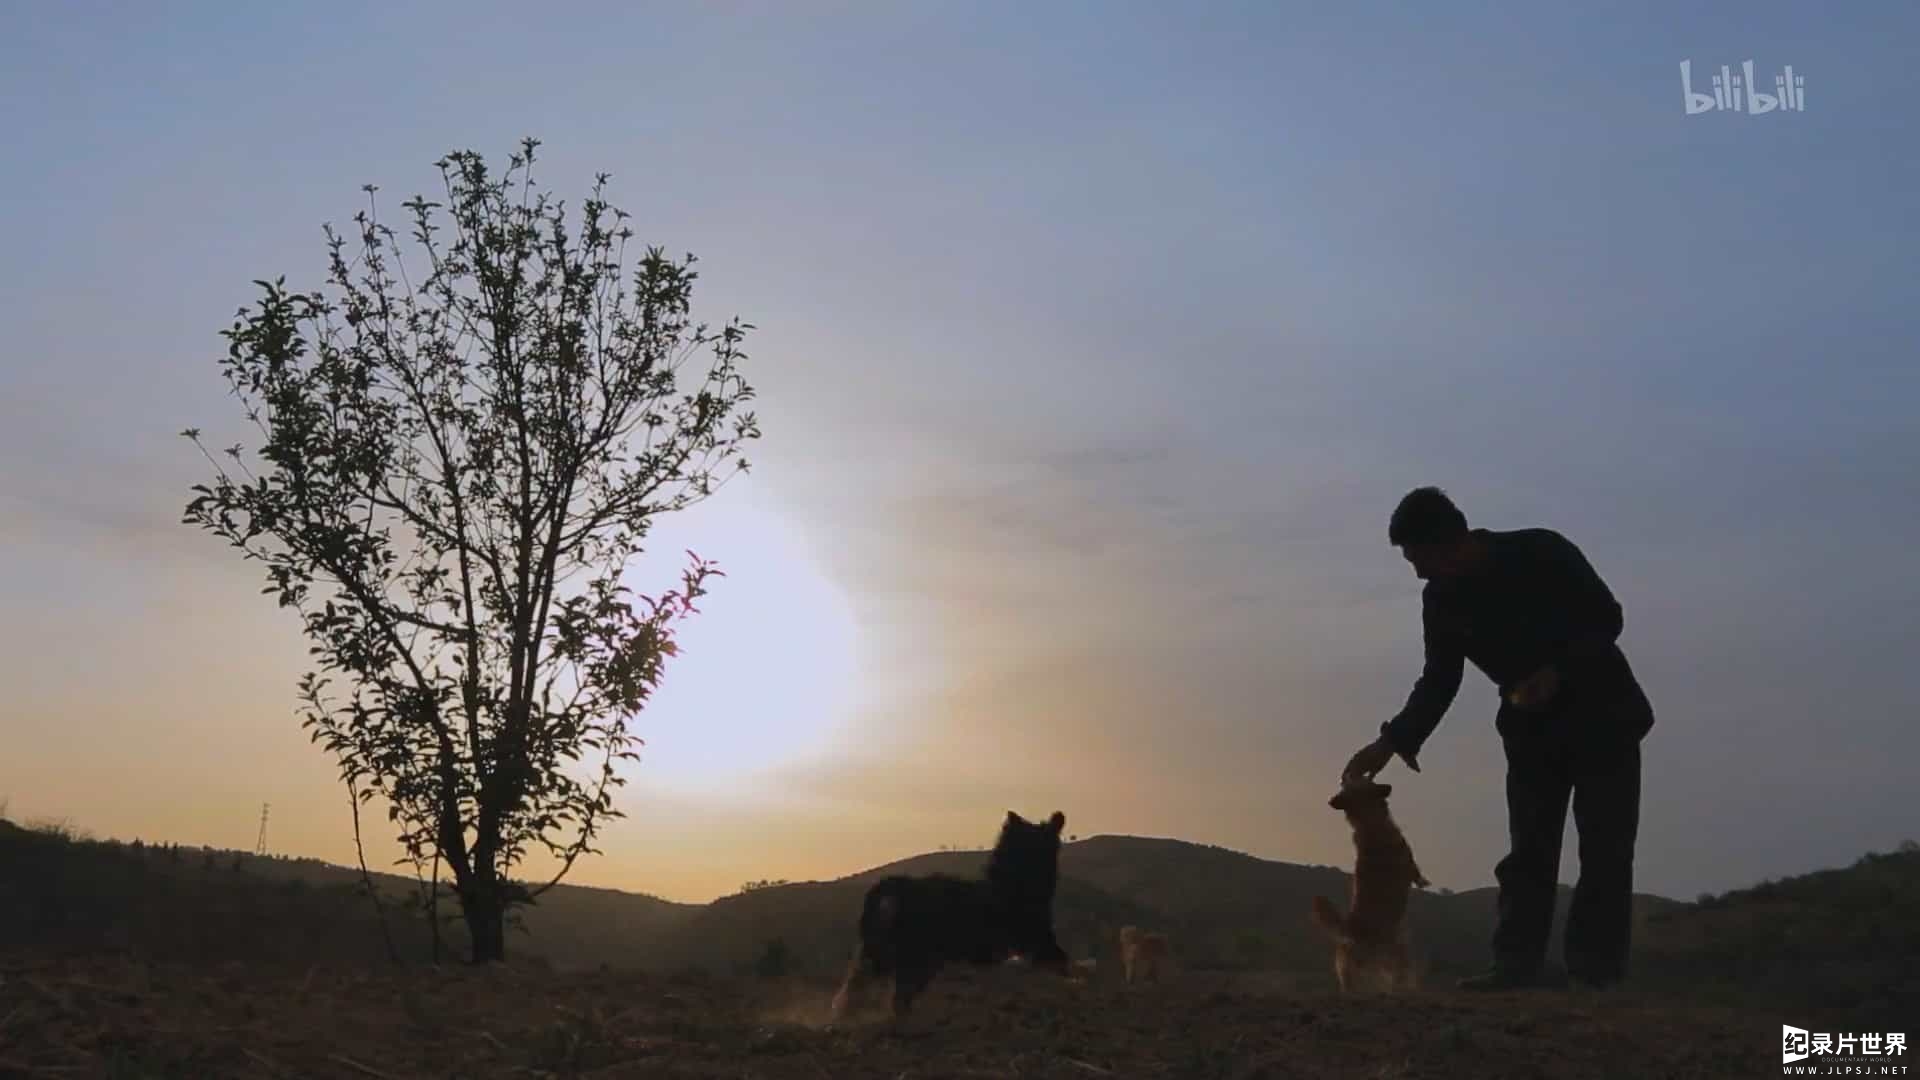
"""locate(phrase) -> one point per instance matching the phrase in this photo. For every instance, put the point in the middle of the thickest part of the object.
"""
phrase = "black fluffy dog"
(912, 926)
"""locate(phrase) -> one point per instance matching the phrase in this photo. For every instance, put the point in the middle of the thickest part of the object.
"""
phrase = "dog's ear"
(1057, 822)
(1015, 819)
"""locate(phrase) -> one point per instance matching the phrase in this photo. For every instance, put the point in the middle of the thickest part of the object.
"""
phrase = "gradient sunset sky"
(1096, 343)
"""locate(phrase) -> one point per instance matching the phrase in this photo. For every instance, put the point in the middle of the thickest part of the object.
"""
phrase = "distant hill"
(62, 890)
(1225, 910)
(1844, 940)
(1838, 936)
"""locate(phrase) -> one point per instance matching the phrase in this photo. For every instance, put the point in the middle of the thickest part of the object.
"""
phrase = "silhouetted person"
(1530, 612)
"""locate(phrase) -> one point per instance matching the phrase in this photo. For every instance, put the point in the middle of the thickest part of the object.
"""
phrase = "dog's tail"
(1329, 918)
(874, 947)
(843, 997)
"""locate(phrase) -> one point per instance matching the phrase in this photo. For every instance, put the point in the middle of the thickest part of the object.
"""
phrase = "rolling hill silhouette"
(1844, 941)
(1842, 937)
(1225, 910)
(177, 961)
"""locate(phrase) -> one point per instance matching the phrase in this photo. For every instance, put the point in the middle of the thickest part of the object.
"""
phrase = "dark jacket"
(1534, 601)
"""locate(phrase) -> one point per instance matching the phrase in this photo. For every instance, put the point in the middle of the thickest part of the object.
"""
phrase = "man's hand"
(1369, 760)
(1536, 689)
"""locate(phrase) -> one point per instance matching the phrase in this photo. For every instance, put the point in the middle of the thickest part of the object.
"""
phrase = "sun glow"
(766, 670)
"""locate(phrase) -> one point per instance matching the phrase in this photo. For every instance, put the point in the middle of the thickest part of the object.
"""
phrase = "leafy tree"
(463, 440)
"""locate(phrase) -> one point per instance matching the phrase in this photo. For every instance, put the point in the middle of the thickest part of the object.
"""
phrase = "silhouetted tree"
(463, 444)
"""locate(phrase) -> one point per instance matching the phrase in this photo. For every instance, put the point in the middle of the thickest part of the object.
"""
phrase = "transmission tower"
(260, 845)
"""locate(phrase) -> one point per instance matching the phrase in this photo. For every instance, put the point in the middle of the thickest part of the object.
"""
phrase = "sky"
(1095, 343)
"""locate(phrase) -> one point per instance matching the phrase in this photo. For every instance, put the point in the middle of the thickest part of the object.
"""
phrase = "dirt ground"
(125, 1019)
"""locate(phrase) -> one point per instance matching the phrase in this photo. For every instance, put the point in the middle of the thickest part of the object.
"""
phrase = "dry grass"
(124, 1018)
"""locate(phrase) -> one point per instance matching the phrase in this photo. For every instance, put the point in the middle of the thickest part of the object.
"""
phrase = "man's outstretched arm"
(1433, 692)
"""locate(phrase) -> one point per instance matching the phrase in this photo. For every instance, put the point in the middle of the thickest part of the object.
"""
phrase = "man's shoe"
(1499, 980)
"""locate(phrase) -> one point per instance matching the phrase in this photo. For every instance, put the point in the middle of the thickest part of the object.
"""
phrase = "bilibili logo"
(1736, 91)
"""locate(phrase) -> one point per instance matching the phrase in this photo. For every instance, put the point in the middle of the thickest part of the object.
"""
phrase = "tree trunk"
(433, 909)
(487, 925)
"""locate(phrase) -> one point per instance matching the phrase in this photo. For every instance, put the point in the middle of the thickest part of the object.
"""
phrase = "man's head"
(1432, 533)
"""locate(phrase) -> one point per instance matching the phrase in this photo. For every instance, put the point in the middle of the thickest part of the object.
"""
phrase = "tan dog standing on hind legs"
(1372, 935)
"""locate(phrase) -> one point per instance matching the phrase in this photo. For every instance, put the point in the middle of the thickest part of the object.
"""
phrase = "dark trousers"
(1595, 766)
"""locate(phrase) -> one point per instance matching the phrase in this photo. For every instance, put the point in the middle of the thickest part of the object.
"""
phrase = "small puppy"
(1372, 935)
(1142, 953)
